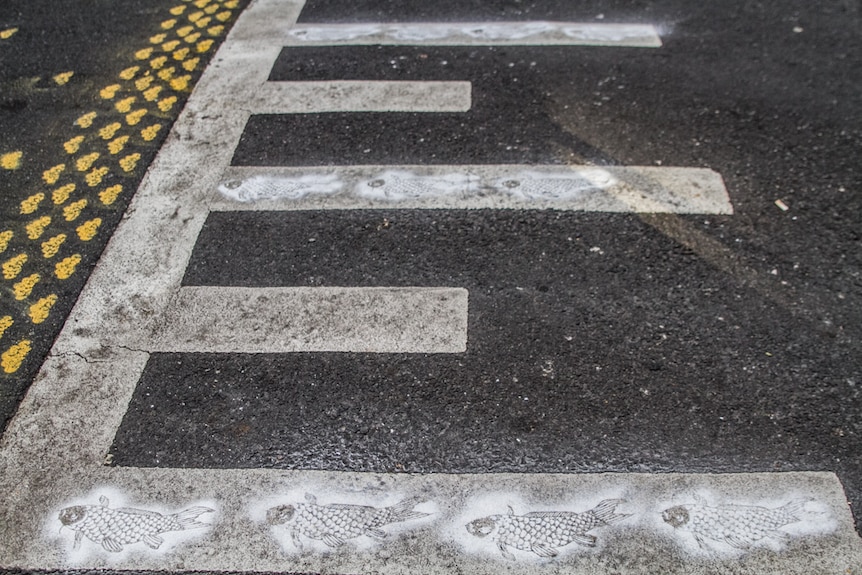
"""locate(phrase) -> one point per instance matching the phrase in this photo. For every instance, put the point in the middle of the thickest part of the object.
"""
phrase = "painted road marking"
(477, 33)
(361, 96)
(645, 189)
(281, 320)
(53, 453)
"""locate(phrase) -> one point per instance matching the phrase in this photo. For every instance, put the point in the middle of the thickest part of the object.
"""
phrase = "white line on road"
(584, 188)
(280, 320)
(534, 33)
(361, 96)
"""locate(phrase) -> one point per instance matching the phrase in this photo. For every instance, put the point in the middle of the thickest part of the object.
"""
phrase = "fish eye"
(71, 515)
(481, 527)
(675, 516)
(280, 515)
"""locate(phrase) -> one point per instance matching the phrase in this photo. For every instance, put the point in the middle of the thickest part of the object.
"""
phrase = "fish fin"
(297, 542)
(795, 508)
(311, 498)
(153, 541)
(79, 536)
(103, 501)
(606, 511)
(376, 533)
(403, 511)
(544, 551)
(506, 553)
(188, 517)
(738, 542)
(780, 535)
(548, 514)
(700, 542)
(110, 545)
(144, 512)
(511, 511)
(587, 540)
(333, 540)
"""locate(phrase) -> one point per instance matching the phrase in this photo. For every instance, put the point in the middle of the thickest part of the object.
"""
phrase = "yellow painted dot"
(135, 117)
(177, 10)
(211, 9)
(152, 94)
(109, 195)
(129, 73)
(108, 131)
(73, 210)
(84, 163)
(116, 146)
(195, 16)
(203, 22)
(224, 16)
(192, 38)
(13, 357)
(62, 193)
(204, 45)
(36, 228)
(143, 83)
(124, 105)
(51, 175)
(86, 120)
(109, 92)
(158, 38)
(215, 30)
(63, 78)
(5, 323)
(143, 54)
(184, 31)
(66, 268)
(181, 53)
(13, 266)
(52, 246)
(191, 64)
(87, 230)
(149, 133)
(22, 289)
(39, 311)
(94, 178)
(170, 46)
(7, 33)
(168, 103)
(201, 3)
(157, 63)
(72, 145)
(129, 162)
(167, 73)
(11, 160)
(31, 204)
(5, 237)
(181, 83)
(168, 24)
(232, 4)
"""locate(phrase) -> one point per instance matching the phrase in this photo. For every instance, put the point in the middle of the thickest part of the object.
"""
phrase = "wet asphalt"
(597, 342)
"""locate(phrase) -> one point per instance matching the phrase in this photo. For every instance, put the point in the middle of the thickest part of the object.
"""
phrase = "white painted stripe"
(534, 33)
(584, 188)
(279, 320)
(361, 96)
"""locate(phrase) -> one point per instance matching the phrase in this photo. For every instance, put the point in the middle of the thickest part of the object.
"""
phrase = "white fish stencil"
(543, 532)
(114, 528)
(740, 526)
(335, 523)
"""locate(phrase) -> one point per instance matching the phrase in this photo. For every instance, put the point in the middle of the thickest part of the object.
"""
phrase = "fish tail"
(605, 511)
(404, 510)
(795, 508)
(188, 518)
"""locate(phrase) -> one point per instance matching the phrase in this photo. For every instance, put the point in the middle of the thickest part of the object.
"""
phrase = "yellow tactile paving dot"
(64, 210)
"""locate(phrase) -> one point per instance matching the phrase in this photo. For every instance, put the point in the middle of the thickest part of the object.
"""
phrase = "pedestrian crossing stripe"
(63, 503)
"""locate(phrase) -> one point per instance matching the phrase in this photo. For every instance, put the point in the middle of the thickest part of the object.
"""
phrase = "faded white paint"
(480, 33)
(281, 320)
(584, 188)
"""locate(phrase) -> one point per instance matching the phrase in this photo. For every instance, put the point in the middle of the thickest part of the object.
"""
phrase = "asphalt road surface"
(563, 308)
